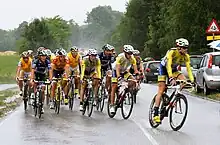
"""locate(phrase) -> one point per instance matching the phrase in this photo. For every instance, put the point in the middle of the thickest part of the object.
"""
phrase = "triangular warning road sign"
(213, 27)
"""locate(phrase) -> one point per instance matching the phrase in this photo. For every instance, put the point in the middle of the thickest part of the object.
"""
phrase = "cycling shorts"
(163, 73)
(124, 75)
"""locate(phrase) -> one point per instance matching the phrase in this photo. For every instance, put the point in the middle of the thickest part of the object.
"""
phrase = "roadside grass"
(8, 66)
(7, 107)
(215, 95)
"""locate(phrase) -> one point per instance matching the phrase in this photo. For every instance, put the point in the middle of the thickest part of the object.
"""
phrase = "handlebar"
(42, 82)
(186, 85)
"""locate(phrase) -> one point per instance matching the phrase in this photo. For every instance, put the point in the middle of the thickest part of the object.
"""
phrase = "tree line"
(153, 25)
(56, 32)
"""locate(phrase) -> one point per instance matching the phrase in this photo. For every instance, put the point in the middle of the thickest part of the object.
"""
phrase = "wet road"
(202, 126)
(7, 86)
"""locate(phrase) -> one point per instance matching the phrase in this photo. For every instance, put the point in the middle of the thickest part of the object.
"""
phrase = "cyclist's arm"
(50, 71)
(32, 70)
(134, 63)
(118, 65)
(189, 70)
(169, 63)
(141, 67)
(83, 67)
(67, 68)
(98, 68)
(18, 69)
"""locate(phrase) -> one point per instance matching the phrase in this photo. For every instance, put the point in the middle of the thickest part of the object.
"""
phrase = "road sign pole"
(213, 36)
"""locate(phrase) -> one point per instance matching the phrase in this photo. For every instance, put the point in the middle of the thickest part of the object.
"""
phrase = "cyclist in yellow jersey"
(23, 69)
(91, 67)
(168, 67)
(120, 67)
(74, 62)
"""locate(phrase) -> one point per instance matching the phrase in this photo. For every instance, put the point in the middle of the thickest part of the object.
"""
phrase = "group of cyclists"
(47, 65)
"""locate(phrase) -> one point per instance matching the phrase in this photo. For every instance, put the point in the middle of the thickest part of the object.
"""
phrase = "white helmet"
(128, 48)
(48, 52)
(30, 52)
(136, 52)
(182, 42)
(92, 52)
(61, 52)
(74, 49)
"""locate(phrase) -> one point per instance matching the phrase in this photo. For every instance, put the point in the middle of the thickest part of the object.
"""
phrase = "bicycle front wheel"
(151, 114)
(127, 105)
(177, 107)
(40, 104)
(90, 102)
(71, 99)
(102, 99)
(25, 98)
(57, 101)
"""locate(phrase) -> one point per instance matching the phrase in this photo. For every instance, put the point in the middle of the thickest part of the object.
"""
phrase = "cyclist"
(91, 67)
(30, 52)
(40, 67)
(74, 62)
(60, 68)
(23, 69)
(140, 67)
(168, 67)
(120, 67)
(106, 57)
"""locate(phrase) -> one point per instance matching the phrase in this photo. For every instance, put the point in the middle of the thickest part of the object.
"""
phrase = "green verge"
(7, 106)
(213, 95)
(8, 66)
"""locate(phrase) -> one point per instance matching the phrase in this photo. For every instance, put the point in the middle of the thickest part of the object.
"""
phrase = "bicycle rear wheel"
(90, 98)
(57, 101)
(175, 104)
(151, 113)
(135, 96)
(128, 99)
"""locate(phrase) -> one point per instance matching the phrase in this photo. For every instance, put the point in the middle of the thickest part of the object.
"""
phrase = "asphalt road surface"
(6, 86)
(202, 126)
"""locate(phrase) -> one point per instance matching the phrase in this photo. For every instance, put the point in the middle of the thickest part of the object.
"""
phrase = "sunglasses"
(184, 48)
(93, 55)
(129, 53)
(25, 57)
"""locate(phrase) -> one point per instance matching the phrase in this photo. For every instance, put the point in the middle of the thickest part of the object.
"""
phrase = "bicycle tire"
(90, 102)
(25, 99)
(102, 102)
(152, 123)
(123, 111)
(85, 102)
(72, 96)
(135, 96)
(48, 95)
(176, 128)
(40, 104)
(57, 102)
(98, 105)
(35, 104)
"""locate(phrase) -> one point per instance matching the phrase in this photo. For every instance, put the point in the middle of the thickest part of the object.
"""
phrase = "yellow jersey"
(90, 66)
(174, 58)
(73, 61)
(25, 66)
(124, 62)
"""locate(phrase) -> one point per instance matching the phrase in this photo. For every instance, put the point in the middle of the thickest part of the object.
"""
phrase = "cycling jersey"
(41, 67)
(90, 67)
(123, 62)
(106, 61)
(73, 61)
(25, 66)
(172, 59)
(58, 65)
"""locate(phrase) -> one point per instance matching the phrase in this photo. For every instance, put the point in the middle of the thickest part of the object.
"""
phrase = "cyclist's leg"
(53, 88)
(20, 82)
(82, 92)
(95, 82)
(127, 76)
(113, 90)
(161, 88)
(65, 86)
(108, 80)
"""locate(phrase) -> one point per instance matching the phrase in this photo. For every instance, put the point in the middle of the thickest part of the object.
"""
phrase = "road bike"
(71, 87)
(100, 101)
(170, 104)
(38, 97)
(89, 98)
(124, 96)
(59, 94)
(25, 93)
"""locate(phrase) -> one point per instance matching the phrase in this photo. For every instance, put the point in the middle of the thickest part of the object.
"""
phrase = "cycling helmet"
(42, 53)
(25, 54)
(136, 52)
(182, 42)
(40, 48)
(60, 52)
(108, 47)
(128, 48)
(48, 52)
(92, 52)
(30, 52)
(74, 49)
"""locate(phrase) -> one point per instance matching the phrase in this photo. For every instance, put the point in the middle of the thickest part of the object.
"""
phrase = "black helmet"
(108, 47)
(42, 53)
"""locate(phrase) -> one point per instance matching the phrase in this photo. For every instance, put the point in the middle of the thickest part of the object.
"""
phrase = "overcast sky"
(13, 12)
